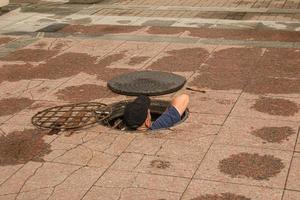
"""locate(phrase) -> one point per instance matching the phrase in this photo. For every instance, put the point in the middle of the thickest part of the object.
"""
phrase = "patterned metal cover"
(71, 116)
(151, 83)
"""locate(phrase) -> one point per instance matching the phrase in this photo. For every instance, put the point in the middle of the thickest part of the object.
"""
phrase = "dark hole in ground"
(19, 147)
(13, 105)
(222, 196)
(157, 107)
(274, 134)
(275, 106)
(251, 166)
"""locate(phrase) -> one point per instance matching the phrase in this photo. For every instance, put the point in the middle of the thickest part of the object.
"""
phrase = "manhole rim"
(124, 102)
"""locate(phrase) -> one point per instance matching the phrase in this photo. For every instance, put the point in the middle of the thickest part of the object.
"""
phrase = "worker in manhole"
(137, 114)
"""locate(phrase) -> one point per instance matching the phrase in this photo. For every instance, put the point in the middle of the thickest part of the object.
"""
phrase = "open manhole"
(150, 83)
(115, 119)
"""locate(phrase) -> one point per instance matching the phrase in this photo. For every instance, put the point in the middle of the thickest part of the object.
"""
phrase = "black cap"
(136, 112)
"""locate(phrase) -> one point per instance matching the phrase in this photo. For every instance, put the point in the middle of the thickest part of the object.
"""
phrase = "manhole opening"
(157, 107)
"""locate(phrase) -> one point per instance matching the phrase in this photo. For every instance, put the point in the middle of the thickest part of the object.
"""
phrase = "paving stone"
(244, 108)
(15, 183)
(49, 175)
(203, 188)
(40, 194)
(8, 197)
(157, 182)
(200, 146)
(118, 179)
(82, 155)
(209, 169)
(127, 161)
(212, 102)
(8, 171)
(137, 54)
(145, 194)
(166, 166)
(94, 48)
(291, 195)
(144, 145)
(232, 134)
(293, 178)
(102, 193)
(198, 130)
(76, 185)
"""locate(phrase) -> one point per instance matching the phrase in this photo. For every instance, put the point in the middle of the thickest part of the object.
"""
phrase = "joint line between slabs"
(210, 146)
(291, 162)
(106, 170)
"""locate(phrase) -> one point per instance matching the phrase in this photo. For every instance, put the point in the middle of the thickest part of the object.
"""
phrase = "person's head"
(137, 113)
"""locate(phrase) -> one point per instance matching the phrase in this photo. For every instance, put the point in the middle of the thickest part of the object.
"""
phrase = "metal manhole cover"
(150, 83)
(71, 116)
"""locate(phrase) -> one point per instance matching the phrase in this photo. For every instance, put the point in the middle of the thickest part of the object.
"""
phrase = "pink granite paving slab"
(158, 182)
(236, 34)
(80, 88)
(94, 47)
(8, 197)
(7, 171)
(255, 106)
(189, 131)
(127, 161)
(40, 194)
(98, 30)
(219, 154)
(211, 102)
(137, 54)
(145, 145)
(273, 134)
(166, 166)
(227, 69)
(84, 156)
(57, 44)
(147, 194)
(30, 55)
(15, 183)
(297, 149)
(294, 175)
(277, 73)
(171, 149)
(291, 195)
(49, 175)
(214, 190)
(103, 193)
(163, 31)
(117, 179)
(181, 57)
(76, 185)
(5, 40)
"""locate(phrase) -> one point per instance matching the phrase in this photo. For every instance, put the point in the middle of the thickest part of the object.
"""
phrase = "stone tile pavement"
(240, 141)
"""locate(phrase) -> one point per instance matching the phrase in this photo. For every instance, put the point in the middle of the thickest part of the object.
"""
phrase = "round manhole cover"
(71, 116)
(149, 83)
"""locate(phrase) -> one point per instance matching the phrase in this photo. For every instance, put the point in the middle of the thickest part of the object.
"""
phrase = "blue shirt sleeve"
(170, 117)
